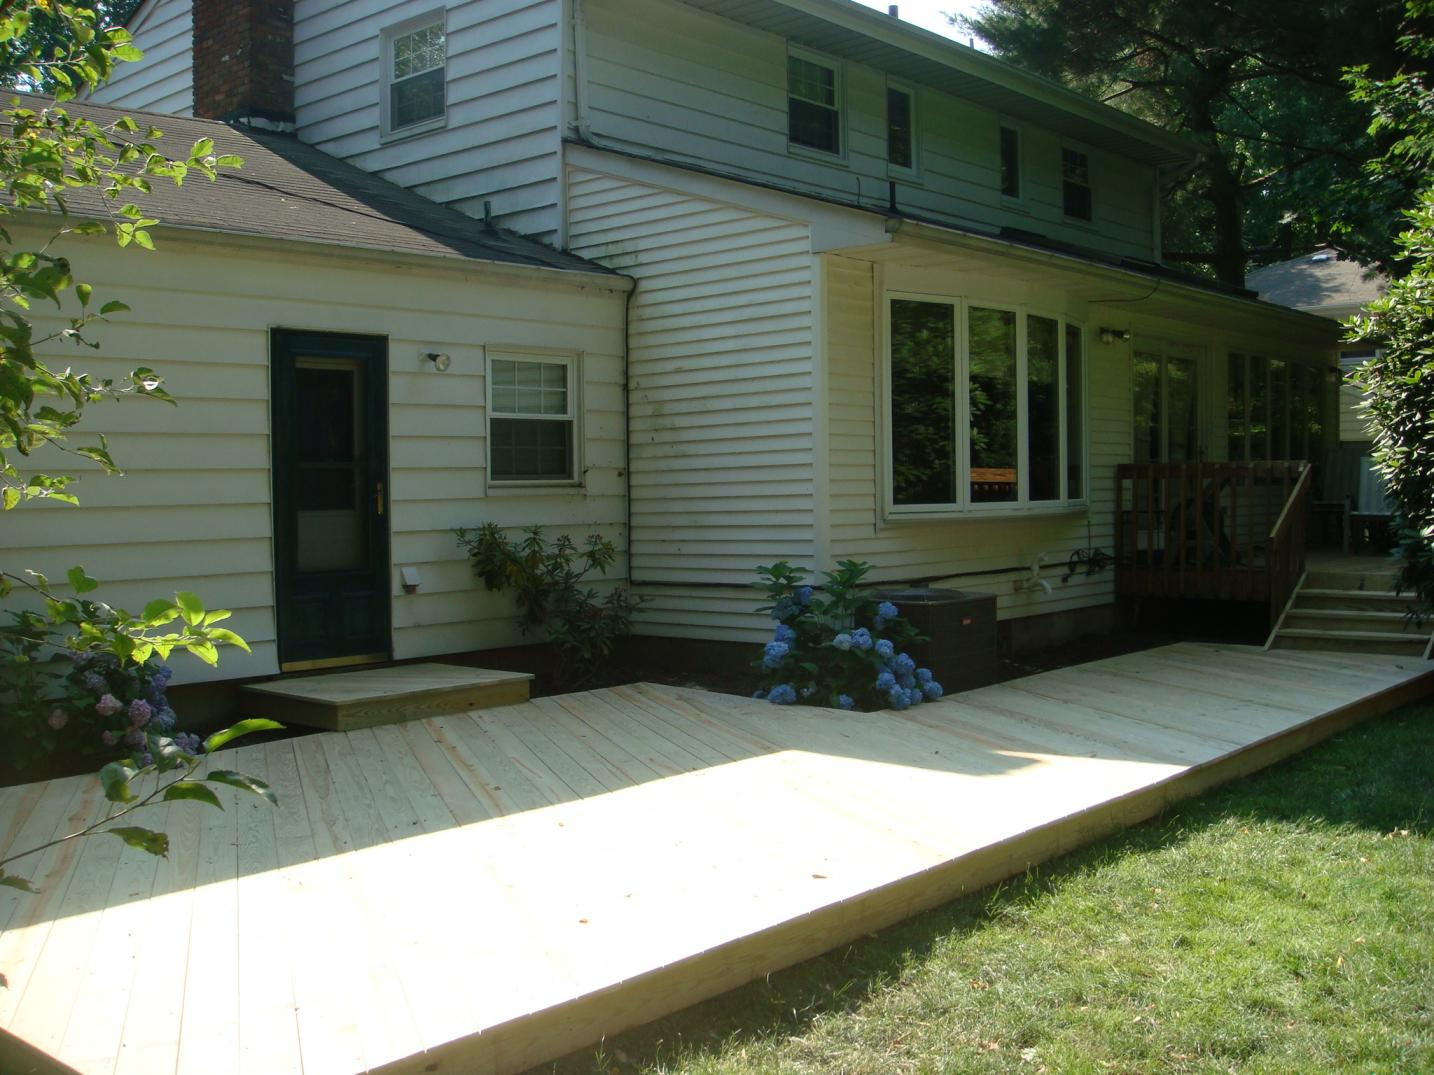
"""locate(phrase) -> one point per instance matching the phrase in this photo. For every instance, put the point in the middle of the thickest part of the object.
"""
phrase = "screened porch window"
(1273, 409)
(985, 407)
(531, 420)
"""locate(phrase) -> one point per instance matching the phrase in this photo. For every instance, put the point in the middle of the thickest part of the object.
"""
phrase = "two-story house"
(895, 300)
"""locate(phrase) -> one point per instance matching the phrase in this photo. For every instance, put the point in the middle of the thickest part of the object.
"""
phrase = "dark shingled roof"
(289, 190)
(1324, 279)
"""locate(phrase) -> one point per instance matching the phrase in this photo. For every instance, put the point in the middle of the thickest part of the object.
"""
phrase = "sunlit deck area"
(476, 894)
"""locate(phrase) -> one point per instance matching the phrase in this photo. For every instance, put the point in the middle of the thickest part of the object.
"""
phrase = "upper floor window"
(813, 102)
(1010, 162)
(532, 418)
(415, 55)
(985, 407)
(1075, 184)
(900, 128)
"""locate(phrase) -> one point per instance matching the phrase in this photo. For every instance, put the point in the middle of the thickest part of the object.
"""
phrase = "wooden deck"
(479, 893)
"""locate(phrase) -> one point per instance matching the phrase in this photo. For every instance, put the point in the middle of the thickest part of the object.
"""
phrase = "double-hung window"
(1075, 184)
(985, 407)
(901, 146)
(415, 56)
(814, 102)
(532, 418)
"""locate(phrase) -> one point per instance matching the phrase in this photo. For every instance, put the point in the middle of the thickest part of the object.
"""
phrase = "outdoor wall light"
(440, 361)
(1110, 335)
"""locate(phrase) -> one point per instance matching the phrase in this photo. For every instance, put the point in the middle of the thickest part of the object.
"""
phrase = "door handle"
(378, 498)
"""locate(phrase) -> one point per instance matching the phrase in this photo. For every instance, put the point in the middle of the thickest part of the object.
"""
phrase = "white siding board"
(501, 141)
(720, 390)
(163, 80)
(195, 511)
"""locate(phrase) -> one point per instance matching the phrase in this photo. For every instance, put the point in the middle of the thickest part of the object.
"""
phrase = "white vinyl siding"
(668, 81)
(163, 81)
(194, 510)
(720, 395)
(501, 138)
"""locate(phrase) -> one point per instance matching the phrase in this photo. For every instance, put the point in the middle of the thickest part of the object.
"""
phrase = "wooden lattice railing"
(1218, 531)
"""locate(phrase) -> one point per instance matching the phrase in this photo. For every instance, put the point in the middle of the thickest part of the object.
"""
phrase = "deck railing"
(1219, 531)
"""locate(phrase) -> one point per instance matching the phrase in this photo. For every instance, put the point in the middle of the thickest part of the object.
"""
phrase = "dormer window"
(813, 103)
(415, 58)
(900, 128)
(1075, 184)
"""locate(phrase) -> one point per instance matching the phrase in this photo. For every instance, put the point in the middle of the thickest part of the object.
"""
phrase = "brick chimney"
(244, 62)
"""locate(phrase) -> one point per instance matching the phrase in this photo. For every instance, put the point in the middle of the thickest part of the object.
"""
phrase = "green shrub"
(837, 646)
(546, 580)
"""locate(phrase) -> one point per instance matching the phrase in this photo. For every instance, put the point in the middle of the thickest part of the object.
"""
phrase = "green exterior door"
(330, 466)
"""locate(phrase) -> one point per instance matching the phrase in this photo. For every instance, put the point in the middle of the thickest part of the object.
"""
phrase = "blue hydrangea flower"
(842, 641)
(785, 609)
(163, 720)
(913, 695)
(139, 712)
(804, 595)
(783, 633)
(844, 701)
(861, 638)
(898, 698)
(774, 653)
(95, 682)
(906, 679)
(904, 663)
(932, 690)
(782, 694)
(885, 682)
(923, 676)
(887, 611)
(188, 742)
(884, 648)
(759, 694)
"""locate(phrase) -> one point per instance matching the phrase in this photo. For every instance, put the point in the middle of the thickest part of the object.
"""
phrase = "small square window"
(532, 420)
(1075, 184)
(900, 128)
(1010, 162)
(813, 104)
(415, 58)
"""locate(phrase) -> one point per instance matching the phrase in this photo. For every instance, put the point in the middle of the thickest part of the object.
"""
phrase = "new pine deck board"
(483, 891)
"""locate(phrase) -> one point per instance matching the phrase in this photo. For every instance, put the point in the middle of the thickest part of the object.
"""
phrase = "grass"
(1283, 923)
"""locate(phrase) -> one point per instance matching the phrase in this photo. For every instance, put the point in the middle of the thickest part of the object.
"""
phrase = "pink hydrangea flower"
(110, 738)
(58, 719)
(139, 712)
(108, 705)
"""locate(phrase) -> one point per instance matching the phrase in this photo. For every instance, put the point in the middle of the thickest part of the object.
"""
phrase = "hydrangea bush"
(824, 653)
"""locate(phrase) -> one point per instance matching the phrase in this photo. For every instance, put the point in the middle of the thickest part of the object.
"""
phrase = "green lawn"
(1284, 923)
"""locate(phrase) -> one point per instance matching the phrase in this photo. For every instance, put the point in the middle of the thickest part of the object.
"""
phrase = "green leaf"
(142, 238)
(160, 611)
(156, 843)
(112, 308)
(191, 606)
(227, 735)
(251, 784)
(115, 778)
(80, 581)
(204, 650)
(9, 880)
(225, 637)
(191, 789)
(128, 53)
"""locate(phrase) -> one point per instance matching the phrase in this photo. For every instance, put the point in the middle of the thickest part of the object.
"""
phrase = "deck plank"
(480, 892)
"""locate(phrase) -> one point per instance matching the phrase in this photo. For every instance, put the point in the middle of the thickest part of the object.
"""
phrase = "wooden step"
(1410, 645)
(344, 701)
(1311, 597)
(1363, 579)
(1344, 619)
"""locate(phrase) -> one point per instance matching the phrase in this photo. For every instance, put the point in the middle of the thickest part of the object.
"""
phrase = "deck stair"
(1353, 610)
(346, 701)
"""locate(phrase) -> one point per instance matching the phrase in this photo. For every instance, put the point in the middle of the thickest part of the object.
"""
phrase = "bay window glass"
(985, 407)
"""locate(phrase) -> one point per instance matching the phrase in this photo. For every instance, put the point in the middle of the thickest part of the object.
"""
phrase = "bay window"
(984, 408)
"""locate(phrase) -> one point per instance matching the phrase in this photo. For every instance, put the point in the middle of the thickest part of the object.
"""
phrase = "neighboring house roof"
(844, 28)
(290, 191)
(1324, 282)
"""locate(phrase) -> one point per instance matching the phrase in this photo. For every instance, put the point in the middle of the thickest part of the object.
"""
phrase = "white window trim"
(572, 361)
(964, 508)
(1018, 199)
(896, 170)
(387, 36)
(796, 149)
(1076, 221)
